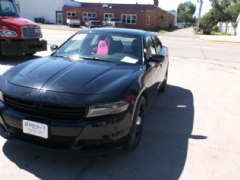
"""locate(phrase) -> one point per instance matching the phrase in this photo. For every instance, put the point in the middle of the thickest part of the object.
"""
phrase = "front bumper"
(22, 47)
(105, 133)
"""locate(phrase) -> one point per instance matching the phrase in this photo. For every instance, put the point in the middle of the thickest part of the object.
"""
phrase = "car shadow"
(14, 60)
(161, 154)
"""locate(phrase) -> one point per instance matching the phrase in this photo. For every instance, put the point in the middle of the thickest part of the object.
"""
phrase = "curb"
(230, 39)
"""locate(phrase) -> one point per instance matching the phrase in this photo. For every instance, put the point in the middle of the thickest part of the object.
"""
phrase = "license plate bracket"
(35, 128)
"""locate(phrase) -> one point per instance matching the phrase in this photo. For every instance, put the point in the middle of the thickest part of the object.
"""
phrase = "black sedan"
(91, 93)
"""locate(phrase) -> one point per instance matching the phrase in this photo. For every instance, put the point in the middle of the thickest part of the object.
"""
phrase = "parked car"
(93, 22)
(207, 30)
(73, 22)
(112, 22)
(91, 93)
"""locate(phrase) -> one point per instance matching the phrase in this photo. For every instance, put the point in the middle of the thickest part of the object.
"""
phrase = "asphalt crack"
(91, 163)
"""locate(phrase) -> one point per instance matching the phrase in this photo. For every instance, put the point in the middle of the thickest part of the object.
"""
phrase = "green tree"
(208, 19)
(222, 10)
(219, 9)
(185, 12)
(234, 10)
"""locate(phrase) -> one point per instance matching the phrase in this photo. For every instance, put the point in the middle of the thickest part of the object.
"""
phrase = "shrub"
(215, 28)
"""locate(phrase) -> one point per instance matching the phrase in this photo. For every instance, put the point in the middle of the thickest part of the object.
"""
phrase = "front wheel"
(137, 126)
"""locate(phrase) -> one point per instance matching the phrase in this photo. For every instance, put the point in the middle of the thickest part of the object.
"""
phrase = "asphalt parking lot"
(191, 131)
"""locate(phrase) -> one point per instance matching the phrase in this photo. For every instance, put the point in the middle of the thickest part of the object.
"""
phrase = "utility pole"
(199, 15)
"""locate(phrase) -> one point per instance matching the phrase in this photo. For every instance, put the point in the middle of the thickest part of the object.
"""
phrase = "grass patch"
(162, 31)
(220, 33)
(198, 33)
(212, 33)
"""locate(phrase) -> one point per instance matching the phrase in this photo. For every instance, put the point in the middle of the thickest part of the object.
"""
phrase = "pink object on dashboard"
(103, 46)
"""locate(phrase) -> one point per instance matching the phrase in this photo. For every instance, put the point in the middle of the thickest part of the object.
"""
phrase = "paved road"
(191, 131)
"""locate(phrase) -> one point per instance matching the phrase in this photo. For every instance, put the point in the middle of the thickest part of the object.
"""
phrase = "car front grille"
(61, 142)
(31, 32)
(55, 142)
(52, 111)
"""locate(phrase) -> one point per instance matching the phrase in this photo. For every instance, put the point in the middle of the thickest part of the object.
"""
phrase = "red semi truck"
(18, 36)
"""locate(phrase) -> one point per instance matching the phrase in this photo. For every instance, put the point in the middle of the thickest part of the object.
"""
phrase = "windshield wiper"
(89, 57)
(94, 58)
(60, 56)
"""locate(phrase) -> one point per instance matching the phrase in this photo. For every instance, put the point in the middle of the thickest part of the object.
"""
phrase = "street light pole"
(199, 15)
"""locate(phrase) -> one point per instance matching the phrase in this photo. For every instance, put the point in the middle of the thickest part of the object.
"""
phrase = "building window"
(105, 6)
(149, 20)
(87, 15)
(71, 15)
(129, 18)
(108, 15)
(162, 17)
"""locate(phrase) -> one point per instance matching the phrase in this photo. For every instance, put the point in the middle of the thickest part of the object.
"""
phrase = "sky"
(164, 4)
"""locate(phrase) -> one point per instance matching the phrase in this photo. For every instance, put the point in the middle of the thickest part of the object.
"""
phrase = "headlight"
(1, 96)
(105, 109)
(8, 33)
(38, 32)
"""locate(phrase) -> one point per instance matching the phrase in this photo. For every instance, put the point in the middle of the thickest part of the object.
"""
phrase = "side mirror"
(157, 58)
(54, 47)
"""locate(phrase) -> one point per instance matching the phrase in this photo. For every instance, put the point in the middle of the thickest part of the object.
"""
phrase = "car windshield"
(7, 8)
(112, 47)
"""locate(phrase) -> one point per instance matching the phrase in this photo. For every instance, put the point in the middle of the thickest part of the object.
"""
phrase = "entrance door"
(59, 17)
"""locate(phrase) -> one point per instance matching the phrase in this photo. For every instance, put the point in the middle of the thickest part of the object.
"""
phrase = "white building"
(180, 25)
(49, 10)
(221, 26)
(175, 14)
(238, 25)
(232, 28)
(227, 27)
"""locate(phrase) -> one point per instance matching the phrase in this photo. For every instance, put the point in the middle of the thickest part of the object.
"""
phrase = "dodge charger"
(91, 93)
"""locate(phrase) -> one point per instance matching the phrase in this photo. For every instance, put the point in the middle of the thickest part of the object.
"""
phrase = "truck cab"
(18, 36)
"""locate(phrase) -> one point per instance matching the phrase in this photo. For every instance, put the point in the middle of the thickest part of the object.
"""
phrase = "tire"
(164, 84)
(136, 130)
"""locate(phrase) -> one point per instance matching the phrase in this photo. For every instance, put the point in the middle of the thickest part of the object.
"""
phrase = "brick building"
(139, 16)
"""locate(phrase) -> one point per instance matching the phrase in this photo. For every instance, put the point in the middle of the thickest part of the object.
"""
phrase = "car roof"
(118, 30)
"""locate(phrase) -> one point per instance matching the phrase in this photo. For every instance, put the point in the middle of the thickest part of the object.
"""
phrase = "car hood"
(81, 77)
(17, 22)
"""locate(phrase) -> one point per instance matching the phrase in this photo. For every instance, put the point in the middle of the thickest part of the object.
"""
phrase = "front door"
(59, 17)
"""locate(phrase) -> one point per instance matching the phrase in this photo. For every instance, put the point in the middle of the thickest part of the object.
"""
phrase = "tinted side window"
(158, 44)
(150, 49)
